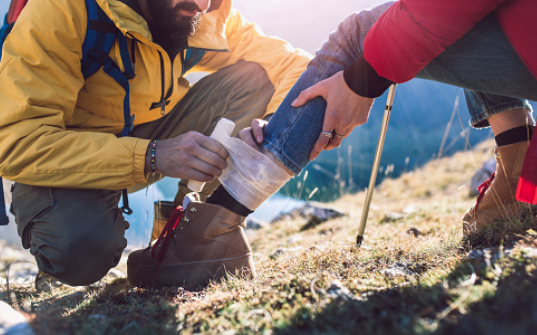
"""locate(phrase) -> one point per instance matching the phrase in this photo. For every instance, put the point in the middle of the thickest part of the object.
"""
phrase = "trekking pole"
(376, 163)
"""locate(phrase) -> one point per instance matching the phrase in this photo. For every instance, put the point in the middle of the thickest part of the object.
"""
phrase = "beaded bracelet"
(153, 150)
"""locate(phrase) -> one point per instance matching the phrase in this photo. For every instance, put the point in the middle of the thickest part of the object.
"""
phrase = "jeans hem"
(284, 159)
(480, 120)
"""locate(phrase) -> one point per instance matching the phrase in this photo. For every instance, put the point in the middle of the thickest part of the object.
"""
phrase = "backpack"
(100, 37)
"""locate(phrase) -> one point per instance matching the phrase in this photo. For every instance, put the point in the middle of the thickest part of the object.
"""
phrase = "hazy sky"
(305, 23)
(4, 5)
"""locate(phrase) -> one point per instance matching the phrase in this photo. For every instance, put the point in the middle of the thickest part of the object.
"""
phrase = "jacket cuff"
(364, 80)
(140, 150)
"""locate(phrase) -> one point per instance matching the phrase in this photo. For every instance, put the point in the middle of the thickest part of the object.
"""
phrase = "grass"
(411, 275)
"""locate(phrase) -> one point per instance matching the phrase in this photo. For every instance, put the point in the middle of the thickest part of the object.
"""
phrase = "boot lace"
(161, 245)
(483, 188)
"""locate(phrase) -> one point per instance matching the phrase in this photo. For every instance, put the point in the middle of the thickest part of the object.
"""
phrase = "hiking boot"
(163, 210)
(45, 282)
(183, 190)
(496, 198)
(199, 244)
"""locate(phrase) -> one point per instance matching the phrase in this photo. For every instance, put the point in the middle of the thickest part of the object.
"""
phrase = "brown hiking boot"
(163, 210)
(496, 198)
(203, 243)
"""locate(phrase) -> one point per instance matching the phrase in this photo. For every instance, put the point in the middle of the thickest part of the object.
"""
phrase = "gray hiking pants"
(78, 235)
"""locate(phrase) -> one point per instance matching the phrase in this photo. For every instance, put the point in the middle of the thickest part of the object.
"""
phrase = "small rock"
(283, 251)
(21, 274)
(529, 252)
(486, 259)
(392, 217)
(491, 254)
(414, 231)
(13, 322)
(115, 273)
(410, 209)
(482, 175)
(319, 248)
(8, 253)
(294, 239)
(255, 224)
(338, 291)
(315, 213)
(398, 269)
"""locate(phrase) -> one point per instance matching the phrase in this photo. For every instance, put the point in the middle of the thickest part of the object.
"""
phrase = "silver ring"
(327, 134)
(340, 135)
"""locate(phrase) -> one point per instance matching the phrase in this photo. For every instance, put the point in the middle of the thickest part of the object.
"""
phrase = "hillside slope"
(411, 276)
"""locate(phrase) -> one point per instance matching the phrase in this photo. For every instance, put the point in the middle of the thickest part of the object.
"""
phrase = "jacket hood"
(210, 34)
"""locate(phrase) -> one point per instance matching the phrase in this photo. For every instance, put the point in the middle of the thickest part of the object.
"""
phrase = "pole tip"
(359, 240)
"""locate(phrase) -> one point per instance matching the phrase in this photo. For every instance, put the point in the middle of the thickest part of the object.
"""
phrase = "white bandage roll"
(223, 129)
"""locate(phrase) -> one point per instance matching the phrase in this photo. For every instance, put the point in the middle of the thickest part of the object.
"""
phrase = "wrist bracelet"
(153, 150)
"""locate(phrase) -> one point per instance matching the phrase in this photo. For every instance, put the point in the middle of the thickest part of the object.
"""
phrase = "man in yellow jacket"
(59, 133)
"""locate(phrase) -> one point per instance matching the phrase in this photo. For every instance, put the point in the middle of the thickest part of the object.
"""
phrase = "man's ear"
(215, 4)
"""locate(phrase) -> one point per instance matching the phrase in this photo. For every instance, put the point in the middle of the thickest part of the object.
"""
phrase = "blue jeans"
(483, 62)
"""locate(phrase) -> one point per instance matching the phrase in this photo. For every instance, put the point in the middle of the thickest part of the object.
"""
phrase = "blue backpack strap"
(110, 67)
(100, 37)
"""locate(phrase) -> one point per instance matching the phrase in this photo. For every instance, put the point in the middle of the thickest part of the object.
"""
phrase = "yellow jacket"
(58, 130)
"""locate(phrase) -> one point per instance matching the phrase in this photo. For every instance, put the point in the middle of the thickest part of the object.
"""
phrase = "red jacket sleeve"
(411, 33)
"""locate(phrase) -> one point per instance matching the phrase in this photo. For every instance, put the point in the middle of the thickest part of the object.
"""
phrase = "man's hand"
(189, 156)
(253, 135)
(345, 110)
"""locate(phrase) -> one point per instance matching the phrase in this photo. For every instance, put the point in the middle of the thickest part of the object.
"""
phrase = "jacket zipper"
(163, 96)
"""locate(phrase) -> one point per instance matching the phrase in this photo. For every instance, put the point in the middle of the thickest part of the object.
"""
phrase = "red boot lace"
(166, 234)
(483, 188)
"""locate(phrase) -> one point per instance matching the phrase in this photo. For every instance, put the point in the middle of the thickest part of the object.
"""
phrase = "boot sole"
(190, 275)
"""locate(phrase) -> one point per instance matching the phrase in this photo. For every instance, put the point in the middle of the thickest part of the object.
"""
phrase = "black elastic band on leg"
(515, 135)
(223, 198)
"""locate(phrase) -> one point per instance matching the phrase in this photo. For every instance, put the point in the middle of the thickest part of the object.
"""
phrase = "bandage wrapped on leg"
(250, 177)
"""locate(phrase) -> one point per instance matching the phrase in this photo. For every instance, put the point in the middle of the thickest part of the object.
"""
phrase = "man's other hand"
(345, 110)
(253, 135)
(189, 156)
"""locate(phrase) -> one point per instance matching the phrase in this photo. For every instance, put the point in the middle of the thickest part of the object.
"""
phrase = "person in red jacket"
(485, 46)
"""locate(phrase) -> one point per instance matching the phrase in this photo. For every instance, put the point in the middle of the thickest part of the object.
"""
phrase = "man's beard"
(168, 28)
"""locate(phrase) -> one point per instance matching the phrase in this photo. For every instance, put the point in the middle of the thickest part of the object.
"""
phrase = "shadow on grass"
(507, 309)
(475, 298)
(115, 309)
